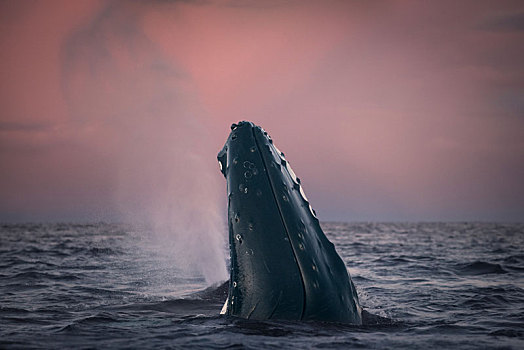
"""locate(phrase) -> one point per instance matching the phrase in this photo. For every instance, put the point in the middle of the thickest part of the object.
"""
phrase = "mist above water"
(168, 183)
(141, 111)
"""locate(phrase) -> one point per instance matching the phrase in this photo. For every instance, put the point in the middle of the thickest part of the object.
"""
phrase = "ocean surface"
(438, 285)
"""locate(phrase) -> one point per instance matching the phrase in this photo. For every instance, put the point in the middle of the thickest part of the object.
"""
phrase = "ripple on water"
(479, 268)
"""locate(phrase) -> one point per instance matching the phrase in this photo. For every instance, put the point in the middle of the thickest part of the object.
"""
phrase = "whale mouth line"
(273, 191)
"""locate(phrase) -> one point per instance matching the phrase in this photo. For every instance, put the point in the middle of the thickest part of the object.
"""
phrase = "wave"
(479, 268)
(510, 333)
(36, 275)
(13, 310)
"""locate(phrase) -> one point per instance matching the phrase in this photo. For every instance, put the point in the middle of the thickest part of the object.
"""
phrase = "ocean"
(435, 285)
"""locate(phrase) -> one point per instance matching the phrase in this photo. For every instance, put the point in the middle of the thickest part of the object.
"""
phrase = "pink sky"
(396, 110)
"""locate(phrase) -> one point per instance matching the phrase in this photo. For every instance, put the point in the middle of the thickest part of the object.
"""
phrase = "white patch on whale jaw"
(224, 308)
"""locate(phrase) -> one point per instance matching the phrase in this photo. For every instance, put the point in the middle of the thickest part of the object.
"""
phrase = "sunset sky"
(387, 111)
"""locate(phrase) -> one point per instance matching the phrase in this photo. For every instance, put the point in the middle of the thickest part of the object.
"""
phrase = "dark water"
(97, 286)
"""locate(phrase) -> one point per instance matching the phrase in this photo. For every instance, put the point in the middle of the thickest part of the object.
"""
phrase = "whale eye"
(220, 165)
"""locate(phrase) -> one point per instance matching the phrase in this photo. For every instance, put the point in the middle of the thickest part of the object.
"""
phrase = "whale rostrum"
(282, 264)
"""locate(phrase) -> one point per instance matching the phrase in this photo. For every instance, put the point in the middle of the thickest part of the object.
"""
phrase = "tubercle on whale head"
(222, 160)
(222, 155)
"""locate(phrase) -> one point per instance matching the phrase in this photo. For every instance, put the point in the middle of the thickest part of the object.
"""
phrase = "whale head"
(282, 264)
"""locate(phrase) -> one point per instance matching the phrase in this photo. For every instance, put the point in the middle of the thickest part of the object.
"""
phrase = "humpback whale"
(282, 264)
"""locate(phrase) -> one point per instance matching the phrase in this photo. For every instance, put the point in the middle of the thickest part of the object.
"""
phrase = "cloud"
(504, 23)
(24, 126)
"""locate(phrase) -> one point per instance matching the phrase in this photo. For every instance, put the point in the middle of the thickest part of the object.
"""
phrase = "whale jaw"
(282, 264)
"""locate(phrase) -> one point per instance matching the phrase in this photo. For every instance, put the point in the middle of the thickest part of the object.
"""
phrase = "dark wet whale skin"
(282, 264)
